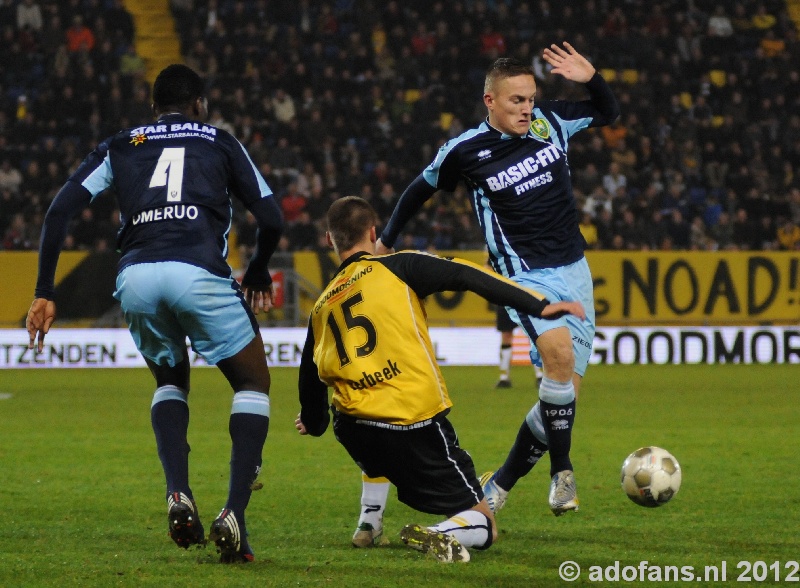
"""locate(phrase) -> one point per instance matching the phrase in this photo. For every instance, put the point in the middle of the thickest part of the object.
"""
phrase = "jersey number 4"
(353, 321)
(169, 172)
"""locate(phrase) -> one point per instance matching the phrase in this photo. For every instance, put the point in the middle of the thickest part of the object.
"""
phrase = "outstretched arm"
(426, 274)
(70, 200)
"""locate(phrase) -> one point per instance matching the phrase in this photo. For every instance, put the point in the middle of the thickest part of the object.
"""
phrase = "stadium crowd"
(355, 97)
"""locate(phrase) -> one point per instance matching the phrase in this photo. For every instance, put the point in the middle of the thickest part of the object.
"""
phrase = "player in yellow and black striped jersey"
(368, 339)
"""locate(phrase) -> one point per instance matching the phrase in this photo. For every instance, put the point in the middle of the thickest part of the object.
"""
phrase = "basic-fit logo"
(540, 129)
(485, 154)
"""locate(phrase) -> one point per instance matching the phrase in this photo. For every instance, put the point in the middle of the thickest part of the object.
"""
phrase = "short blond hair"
(505, 67)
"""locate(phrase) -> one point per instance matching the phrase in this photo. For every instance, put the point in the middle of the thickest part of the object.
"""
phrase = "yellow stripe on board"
(19, 270)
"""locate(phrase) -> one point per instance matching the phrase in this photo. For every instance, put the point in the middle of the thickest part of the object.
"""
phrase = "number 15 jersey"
(368, 337)
(173, 181)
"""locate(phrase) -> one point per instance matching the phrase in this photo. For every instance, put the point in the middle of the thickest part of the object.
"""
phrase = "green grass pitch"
(82, 489)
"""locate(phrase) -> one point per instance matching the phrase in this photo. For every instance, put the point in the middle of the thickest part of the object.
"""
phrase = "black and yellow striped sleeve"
(426, 274)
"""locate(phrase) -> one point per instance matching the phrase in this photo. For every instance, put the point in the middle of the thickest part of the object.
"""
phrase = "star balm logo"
(139, 139)
(540, 129)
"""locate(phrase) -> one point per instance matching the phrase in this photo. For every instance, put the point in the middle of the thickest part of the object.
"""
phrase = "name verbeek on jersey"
(521, 188)
(175, 200)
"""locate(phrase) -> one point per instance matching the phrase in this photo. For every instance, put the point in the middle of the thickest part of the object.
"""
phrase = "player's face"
(510, 104)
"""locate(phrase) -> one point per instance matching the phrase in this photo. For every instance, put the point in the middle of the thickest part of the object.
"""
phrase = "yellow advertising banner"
(698, 288)
(18, 270)
(640, 288)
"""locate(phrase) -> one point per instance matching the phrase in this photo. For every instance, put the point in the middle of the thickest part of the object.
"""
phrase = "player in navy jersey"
(173, 180)
(515, 164)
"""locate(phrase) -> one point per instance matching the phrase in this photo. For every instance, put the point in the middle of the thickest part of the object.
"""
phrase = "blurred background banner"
(114, 348)
(642, 288)
(631, 288)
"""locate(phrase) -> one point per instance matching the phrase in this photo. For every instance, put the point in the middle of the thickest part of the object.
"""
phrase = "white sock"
(505, 361)
(374, 494)
(470, 528)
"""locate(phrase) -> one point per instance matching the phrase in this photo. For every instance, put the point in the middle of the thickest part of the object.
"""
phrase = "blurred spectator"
(318, 203)
(131, 63)
(29, 16)
(679, 230)
(85, 230)
(631, 230)
(284, 161)
(309, 180)
(119, 21)
(765, 234)
(79, 36)
(365, 93)
(283, 106)
(698, 239)
(657, 230)
(763, 20)
(16, 236)
(719, 24)
(788, 236)
(614, 180)
(793, 199)
(292, 203)
(302, 234)
(10, 177)
(723, 232)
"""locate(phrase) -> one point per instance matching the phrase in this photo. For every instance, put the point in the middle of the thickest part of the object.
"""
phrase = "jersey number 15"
(353, 321)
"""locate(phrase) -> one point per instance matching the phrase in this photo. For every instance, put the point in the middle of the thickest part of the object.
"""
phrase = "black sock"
(248, 434)
(558, 420)
(526, 451)
(170, 420)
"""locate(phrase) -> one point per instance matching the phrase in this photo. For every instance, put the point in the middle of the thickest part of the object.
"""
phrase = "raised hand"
(570, 64)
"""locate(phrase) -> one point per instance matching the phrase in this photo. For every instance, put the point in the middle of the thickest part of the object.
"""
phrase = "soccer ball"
(651, 476)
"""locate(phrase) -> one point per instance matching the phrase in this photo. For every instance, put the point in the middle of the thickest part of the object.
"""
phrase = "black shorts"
(430, 470)
(504, 322)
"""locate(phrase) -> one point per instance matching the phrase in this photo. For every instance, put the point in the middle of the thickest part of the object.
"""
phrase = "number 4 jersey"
(368, 337)
(173, 181)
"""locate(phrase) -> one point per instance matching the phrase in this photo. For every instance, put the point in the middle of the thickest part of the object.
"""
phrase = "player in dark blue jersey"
(173, 180)
(515, 164)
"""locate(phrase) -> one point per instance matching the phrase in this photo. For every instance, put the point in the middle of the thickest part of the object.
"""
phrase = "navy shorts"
(431, 472)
